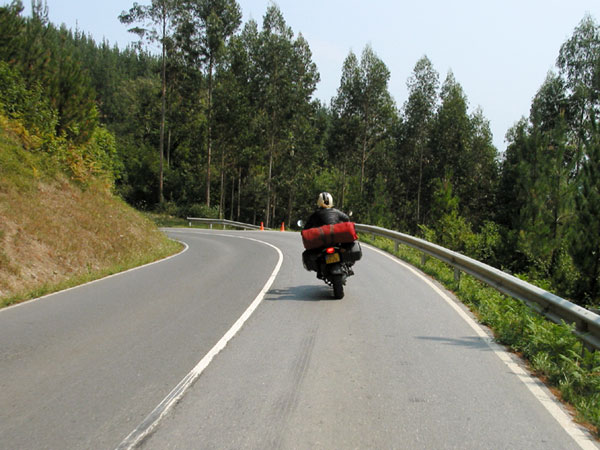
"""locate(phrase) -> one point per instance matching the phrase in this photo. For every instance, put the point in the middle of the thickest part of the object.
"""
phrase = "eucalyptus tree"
(344, 129)
(549, 116)
(449, 139)
(480, 207)
(366, 109)
(579, 66)
(285, 79)
(233, 116)
(204, 28)
(305, 129)
(237, 113)
(155, 24)
(462, 151)
(413, 155)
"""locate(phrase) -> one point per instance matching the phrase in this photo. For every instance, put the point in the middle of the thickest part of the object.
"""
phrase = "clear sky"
(500, 51)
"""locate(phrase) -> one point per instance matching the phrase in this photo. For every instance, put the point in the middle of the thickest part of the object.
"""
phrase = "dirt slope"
(55, 232)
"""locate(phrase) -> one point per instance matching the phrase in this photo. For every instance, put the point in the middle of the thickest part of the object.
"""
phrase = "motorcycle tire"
(338, 286)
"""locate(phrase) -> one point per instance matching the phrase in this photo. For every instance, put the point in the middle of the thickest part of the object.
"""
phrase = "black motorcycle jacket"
(325, 216)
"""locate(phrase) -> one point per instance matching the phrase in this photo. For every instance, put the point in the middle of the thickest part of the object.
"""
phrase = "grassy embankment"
(56, 233)
(553, 353)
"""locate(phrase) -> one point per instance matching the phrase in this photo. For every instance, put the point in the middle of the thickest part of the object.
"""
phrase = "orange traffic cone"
(282, 226)
(262, 227)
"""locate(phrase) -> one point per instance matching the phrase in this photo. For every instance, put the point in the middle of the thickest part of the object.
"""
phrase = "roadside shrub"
(566, 275)
(546, 337)
(202, 211)
(483, 246)
(28, 105)
(167, 208)
(101, 152)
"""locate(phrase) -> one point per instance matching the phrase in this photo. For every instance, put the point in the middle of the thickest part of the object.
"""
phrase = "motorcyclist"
(325, 214)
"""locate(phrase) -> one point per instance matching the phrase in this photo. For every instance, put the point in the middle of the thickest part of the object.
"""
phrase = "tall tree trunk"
(362, 166)
(419, 185)
(239, 205)
(163, 113)
(169, 148)
(594, 282)
(290, 203)
(342, 199)
(209, 133)
(222, 192)
(268, 209)
(364, 147)
(232, 196)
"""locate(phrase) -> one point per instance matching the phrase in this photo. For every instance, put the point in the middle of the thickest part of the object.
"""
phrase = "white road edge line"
(27, 302)
(536, 387)
(151, 421)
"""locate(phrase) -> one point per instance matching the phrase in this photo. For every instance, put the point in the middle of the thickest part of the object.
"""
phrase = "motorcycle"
(333, 261)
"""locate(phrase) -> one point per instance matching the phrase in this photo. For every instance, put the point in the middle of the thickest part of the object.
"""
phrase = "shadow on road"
(307, 293)
(469, 342)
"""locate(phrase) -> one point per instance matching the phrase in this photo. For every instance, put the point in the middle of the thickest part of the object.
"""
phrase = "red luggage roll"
(340, 233)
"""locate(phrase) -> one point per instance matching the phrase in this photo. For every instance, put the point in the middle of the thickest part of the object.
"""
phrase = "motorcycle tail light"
(330, 250)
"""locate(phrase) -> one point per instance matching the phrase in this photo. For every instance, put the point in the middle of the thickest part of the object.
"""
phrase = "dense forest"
(222, 121)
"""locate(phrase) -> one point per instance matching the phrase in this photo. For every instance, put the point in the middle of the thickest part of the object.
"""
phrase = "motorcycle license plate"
(333, 258)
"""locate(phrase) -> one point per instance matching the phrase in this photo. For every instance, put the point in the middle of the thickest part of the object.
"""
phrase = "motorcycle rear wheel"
(338, 286)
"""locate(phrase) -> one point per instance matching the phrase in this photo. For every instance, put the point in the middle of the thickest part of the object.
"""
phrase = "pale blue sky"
(500, 51)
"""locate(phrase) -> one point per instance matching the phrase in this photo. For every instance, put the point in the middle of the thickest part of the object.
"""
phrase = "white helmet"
(325, 200)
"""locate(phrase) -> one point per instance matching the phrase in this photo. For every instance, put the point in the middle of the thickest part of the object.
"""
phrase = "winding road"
(231, 345)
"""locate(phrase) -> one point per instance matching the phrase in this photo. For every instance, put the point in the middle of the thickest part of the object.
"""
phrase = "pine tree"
(12, 26)
(587, 229)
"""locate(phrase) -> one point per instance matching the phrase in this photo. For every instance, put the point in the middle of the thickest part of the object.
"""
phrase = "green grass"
(164, 220)
(169, 221)
(554, 354)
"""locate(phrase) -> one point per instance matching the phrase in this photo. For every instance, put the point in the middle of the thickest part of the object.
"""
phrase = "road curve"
(82, 368)
(392, 365)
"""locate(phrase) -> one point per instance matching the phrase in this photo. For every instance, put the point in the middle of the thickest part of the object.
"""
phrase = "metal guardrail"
(554, 308)
(223, 222)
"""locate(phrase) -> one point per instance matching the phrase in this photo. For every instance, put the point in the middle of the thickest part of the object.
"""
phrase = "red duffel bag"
(340, 233)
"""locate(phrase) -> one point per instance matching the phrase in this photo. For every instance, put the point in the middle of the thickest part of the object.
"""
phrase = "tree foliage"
(549, 177)
(365, 116)
(239, 134)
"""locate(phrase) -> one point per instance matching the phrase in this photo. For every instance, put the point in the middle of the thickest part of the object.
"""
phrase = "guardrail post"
(423, 259)
(397, 246)
(457, 275)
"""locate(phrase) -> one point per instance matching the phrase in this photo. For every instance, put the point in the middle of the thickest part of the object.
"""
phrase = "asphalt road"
(392, 365)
